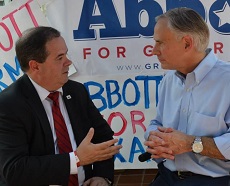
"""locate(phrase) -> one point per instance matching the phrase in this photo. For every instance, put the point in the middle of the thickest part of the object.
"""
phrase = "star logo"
(223, 14)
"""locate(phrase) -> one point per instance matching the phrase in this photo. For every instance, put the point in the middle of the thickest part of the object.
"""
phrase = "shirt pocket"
(203, 125)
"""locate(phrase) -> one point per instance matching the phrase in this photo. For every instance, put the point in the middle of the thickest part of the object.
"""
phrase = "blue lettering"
(112, 27)
(137, 92)
(146, 79)
(139, 18)
(89, 19)
(136, 142)
(1, 83)
(134, 11)
(112, 103)
(115, 92)
(11, 72)
(118, 155)
(97, 95)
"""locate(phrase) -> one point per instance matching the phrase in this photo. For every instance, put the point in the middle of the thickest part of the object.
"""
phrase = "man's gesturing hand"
(88, 152)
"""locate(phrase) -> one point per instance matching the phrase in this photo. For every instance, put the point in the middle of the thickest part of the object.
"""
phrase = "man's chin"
(65, 80)
(165, 67)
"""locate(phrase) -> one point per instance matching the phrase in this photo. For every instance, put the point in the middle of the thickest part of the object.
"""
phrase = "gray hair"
(185, 21)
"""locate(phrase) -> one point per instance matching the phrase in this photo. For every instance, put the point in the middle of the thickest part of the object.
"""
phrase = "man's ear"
(186, 45)
(33, 65)
(188, 42)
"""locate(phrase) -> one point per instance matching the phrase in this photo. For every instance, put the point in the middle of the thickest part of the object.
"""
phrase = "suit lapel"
(73, 111)
(37, 107)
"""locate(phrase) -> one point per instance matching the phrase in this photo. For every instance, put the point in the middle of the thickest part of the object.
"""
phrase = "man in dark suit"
(29, 150)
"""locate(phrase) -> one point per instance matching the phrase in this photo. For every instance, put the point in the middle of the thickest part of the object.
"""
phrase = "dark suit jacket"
(27, 154)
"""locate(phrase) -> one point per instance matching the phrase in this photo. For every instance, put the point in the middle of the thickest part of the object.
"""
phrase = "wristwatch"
(197, 145)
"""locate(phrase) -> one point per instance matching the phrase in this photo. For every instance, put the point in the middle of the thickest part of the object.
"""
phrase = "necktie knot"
(54, 97)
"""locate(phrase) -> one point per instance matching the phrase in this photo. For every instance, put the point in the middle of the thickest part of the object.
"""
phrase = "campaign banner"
(15, 18)
(110, 44)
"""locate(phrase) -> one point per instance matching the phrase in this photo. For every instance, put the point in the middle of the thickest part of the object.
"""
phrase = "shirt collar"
(181, 76)
(42, 92)
(203, 68)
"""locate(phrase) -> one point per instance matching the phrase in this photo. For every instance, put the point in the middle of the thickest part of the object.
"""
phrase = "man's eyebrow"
(62, 54)
(155, 39)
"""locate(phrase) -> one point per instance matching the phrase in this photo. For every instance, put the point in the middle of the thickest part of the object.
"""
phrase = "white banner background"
(118, 70)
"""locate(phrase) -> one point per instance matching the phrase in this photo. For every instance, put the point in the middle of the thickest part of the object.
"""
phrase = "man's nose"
(68, 62)
(155, 51)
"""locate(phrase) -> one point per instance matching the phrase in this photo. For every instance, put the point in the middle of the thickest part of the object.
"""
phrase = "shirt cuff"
(73, 163)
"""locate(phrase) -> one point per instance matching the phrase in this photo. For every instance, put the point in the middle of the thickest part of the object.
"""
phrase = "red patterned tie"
(63, 141)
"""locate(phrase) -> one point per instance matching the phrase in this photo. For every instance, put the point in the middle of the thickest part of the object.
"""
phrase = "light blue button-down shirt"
(197, 105)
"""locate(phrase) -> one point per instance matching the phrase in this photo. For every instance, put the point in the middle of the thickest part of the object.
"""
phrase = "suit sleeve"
(24, 158)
